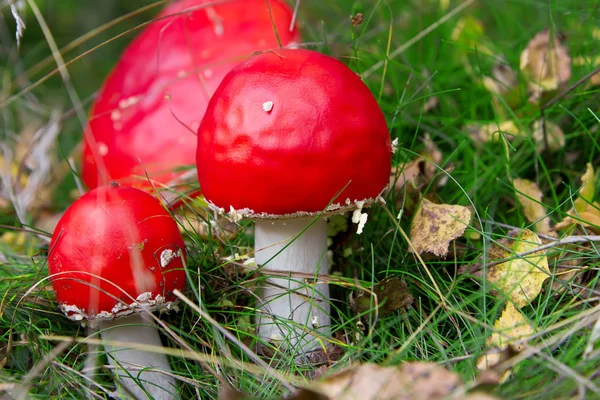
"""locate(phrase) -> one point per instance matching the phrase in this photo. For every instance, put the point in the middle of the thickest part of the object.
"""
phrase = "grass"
(450, 320)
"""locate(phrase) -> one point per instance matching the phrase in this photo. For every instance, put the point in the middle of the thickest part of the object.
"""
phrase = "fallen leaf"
(512, 326)
(546, 64)
(530, 197)
(408, 381)
(587, 189)
(554, 136)
(585, 212)
(492, 132)
(502, 81)
(521, 277)
(391, 294)
(470, 33)
(587, 218)
(434, 226)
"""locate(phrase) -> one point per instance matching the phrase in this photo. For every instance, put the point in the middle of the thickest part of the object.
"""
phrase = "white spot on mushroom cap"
(115, 115)
(208, 73)
(267, 106)
(102, 149)
(167, 256)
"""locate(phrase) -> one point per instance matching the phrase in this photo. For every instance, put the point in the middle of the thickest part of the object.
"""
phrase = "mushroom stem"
(294, 310)
(129, 364)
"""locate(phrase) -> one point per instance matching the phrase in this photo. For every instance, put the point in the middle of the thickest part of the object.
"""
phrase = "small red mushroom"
(144, 120)
(116, 254)
(287, 136)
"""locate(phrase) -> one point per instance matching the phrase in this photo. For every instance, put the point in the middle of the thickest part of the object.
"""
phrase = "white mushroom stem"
(294, 310)
(138, 371)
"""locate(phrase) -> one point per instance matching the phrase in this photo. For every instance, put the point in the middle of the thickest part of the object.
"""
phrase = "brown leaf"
(546, 64)
(502, 81)
(554, 136)
(522, 276)
(585, 213)
(434, 226)
(530, 197)
(409, 381)
(391, 295)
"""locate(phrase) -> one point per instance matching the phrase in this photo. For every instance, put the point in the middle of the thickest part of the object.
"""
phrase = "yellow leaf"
(587, 190)
(521, 278)
(588, 218)
(408, 381)
(555, 136)
(546, 64)
(530, 197)
(512, 326)
(493, 131)
(434, 226)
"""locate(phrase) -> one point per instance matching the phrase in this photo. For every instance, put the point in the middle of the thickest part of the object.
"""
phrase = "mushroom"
(288, 137)
(115, 256)
(142, 126)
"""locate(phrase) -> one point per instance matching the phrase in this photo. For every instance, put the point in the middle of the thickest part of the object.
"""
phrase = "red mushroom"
(115, 254)
(287, 136)
(146, 114)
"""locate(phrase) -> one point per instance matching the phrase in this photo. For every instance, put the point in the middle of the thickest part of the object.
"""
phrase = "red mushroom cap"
(163, 82)
(286, 131)
(115, 250)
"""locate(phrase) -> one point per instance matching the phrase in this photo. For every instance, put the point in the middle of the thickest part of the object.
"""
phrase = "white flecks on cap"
(267, 106)
(394, 145)
(143, 302)
(216, 20)
(208, 73)
(128, 102)
(102, 149)
(115, 115)
(235, 215)
(167, 256)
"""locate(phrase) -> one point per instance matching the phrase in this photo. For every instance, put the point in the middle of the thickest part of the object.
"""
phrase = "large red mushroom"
(143, 122)
(290, 136)
(116, 255)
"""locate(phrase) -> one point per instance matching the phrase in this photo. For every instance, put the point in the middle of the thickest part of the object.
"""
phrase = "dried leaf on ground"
(594, 337)
(512, 326)
(585, 212)
(588, 218)
(391, 294)
(493, 131)
(546, 64)
(554, 136)
(522, 276)
(587, 190)
(408, 381)
(502, 81)
(434, 226)
(530, 197)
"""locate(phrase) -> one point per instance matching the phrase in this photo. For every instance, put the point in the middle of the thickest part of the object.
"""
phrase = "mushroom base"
(294, 306)
(139, 372)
